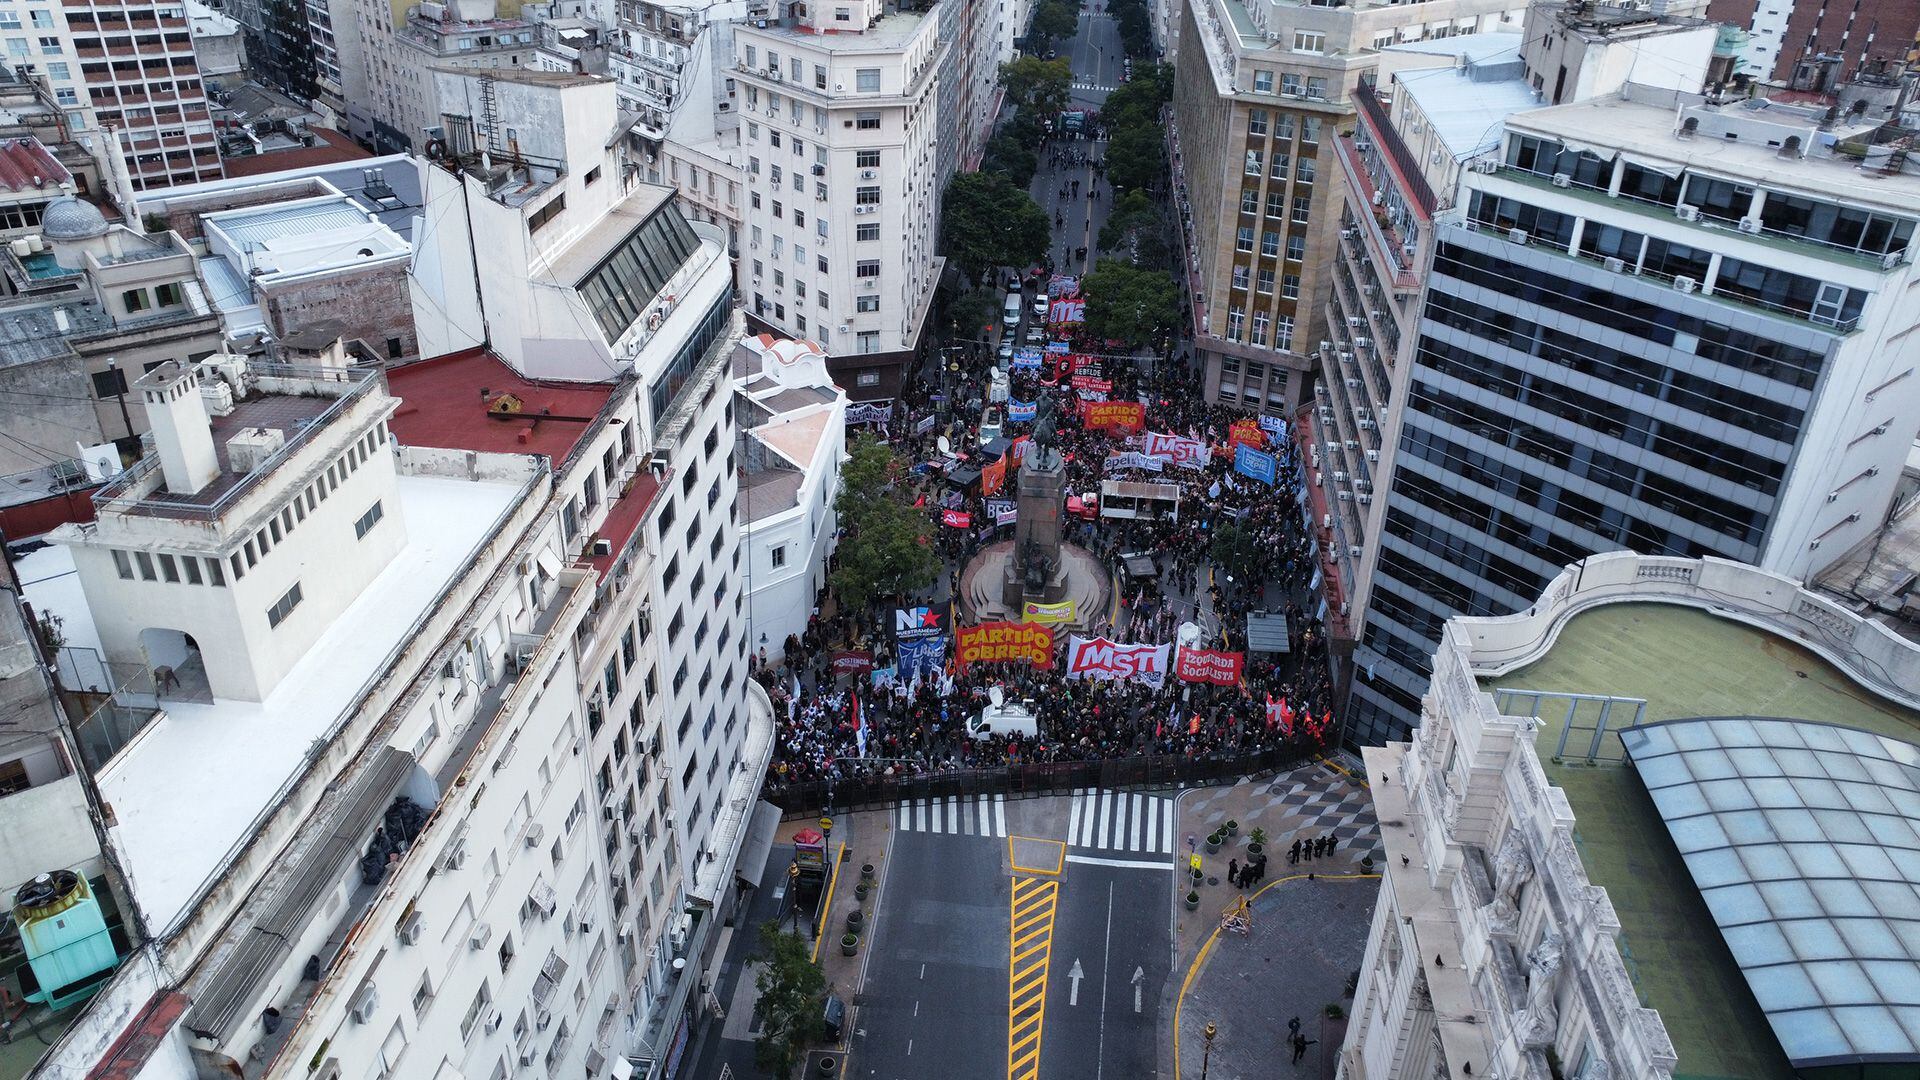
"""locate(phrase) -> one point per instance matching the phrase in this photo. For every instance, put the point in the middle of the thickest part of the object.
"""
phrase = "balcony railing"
(1375, 115)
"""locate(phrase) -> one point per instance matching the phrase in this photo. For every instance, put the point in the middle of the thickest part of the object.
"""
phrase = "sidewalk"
(1308, 926)
(858, 840)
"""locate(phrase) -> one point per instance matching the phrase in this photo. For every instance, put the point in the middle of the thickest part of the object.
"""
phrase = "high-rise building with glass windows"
(1651, 321)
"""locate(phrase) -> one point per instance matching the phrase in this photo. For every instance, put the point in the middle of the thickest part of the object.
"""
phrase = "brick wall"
(375, 307)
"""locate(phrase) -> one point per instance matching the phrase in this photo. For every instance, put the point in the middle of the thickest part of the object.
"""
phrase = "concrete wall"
(48, 828)
(47, 412)
(373, 306)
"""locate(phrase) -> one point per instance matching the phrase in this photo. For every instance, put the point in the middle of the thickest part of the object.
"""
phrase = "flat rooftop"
(443, 403)
(1647, 128)
(1466, 113)
(892, 31)
(1680, 964)
(176, 833)
(1877, 578)
(585, 253)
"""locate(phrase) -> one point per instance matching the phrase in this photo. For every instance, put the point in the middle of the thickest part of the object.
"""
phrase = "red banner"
(852, 662)
(1191, 453)
(1094, 383)
(1018, 451)
(1248, 432)
(993, 477)
(998, 641)
(1209, 666)
(1117, 417)
(958, 519)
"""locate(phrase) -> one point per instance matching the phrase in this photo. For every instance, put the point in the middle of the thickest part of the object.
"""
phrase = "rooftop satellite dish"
(945, 446)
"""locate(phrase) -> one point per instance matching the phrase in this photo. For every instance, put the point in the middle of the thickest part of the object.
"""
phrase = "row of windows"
(1768, 419)
(1289, 283)
(1630, 314)
(196, 570)
(1270, 243)
(1303, 169)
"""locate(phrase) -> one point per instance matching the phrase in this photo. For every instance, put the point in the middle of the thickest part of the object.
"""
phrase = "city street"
(1098, 59)
(1038, 926)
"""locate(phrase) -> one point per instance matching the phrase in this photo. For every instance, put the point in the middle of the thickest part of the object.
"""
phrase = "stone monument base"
(1081, 579)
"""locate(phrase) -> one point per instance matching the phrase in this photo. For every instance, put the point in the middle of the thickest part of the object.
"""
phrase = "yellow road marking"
(1030, 915)
(1050, 856)
(832, 883)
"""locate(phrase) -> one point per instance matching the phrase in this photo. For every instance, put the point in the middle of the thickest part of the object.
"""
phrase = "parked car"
(1039, 305)
(1006, 352)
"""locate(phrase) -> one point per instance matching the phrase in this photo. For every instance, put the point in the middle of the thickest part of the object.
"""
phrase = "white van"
(1010, 314)
(1000, 718)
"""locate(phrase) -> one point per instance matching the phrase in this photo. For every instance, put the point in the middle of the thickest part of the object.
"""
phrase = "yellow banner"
(1048, 613)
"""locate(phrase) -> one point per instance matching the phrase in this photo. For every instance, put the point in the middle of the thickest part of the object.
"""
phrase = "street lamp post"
(1206, 1052)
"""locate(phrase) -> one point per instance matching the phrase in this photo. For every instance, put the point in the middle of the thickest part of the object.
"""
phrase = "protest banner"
(993, 477)
(957, 519)
(1022, 412)
(1102, 659)
(1209, 666)
(1274, 426)
(1002, 511)
(1035, 612)
(923, 654)
(910, 624)
(1257, 464)
(923, 425)
(1114, 416)
(1131, 460)
(851, 662)
(1001, 641)
(1246, 431)
(1182, 451)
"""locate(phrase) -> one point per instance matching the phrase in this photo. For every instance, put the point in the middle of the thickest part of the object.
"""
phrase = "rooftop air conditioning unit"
(528, 1053)
(456, 856)
(602, 547)
(1353, 321)
(869, 174)
(482, 935)
(543, 1019)
(819, 170)
(1346, 496)
(1487, 165)
(1348, 234)
(1326, 521)
(1561, 179)
(1362, 342)
(494, 1019)
(536, 834)
(410, 929)
(1373, 455)
(1366, 425)
(1365, 500)
(1614, 265)
(364, 1003)
(1685, 284)
(1749, 224)
(1319, 479)
(1346, 357)
(1339, 478)
(1325, 345)
(1687, 213)
(1517, 236)
(1355, 550)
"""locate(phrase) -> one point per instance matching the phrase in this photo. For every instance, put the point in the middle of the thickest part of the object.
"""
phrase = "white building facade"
(839, 123)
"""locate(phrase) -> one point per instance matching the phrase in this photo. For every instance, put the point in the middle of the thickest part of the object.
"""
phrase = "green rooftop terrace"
(1684, 662)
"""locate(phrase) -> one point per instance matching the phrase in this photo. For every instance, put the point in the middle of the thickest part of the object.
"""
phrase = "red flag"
(1273, 713)
(1193, 725)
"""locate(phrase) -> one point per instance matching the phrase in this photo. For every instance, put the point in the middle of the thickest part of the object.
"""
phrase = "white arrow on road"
(1073, 992)
(1138, 975)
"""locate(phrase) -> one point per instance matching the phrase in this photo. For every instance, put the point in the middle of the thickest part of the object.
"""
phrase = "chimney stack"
(182, 435)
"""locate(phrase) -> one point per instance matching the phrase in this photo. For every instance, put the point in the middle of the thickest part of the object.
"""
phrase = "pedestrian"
(1332, 842)
(1300, 1044)
(1293, 856)
(1233, 872)
(1293, 1027)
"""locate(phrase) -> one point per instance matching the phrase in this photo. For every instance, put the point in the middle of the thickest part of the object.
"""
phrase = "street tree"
(1039, 85)
(1234, 548)
(888, 546)
(792, 995)
(1054, 20)
(988, 222)
(1010, 155)
(1137, 102)
(1136, 157)
(1130, 304)
(972, 313)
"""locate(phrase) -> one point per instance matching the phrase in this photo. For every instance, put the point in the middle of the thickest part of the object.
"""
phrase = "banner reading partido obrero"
(1001, 641)
(1101, 658)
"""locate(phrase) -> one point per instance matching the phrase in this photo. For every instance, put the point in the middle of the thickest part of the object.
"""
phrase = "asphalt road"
(1112, 923)
(935, 1005)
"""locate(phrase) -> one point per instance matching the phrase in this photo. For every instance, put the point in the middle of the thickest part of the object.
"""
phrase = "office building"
(1265, 87)
(1815, 47)
(839, 114)
(1652, 321)
(1600, 862)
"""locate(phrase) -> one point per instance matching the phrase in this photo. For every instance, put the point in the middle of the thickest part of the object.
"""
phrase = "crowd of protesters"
(844, 727)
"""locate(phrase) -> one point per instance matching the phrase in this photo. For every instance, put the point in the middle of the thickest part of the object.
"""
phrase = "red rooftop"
(472, 400)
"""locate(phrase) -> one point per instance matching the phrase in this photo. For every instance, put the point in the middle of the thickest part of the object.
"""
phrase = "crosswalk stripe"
(982, 807)
(1166, 828)
(999, 815)
(953, 814)
(1134, 816)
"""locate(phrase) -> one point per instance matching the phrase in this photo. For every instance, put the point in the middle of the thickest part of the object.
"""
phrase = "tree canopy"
(1008, 154)
(988, 222)
(1054, 20)
(1136, 157)
(1039, 85)
(792, 996)
(888, 546)
(1130, 304)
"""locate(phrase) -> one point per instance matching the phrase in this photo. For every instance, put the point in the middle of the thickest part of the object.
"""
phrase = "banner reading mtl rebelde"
(1100, 658)
(997, 641)
(1209, 666)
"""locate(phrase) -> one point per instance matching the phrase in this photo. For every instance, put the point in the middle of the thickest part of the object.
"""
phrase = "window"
(475, 1011)
(284, 606)
(1260, 322)
(1316, 88)
(866, 303)
(1264, 283)
(1256, 121)
(135, 300)
(867, 268)
(1263, 82)
(123, 564)
(1300, 208)
(1269, 243)
(146, 565)
(368, 520)
(1253, 163)
(1283, 338)
(1239, 277)
(1309, 42)
(867, 80)
(1249, 200)
(1243, 240)
(780, 556)
(867, 230)
(1278, 168)
(1291, 83)
(1304, 173)
(1277, 203)
(109, 383)
(867, 196)
(1296, 247)
(10, 20)
(866, 159)
(867, 121)
(593, 175)
(869, 341)
(1289, 286)
(1236, 322)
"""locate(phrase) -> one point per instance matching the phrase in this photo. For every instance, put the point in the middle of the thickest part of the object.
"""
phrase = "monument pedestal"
(1035, 570)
